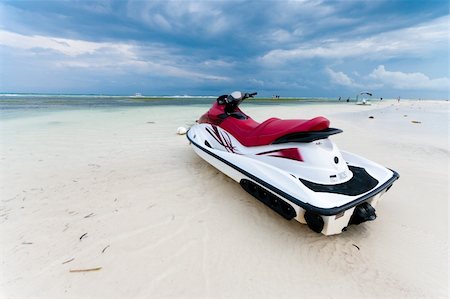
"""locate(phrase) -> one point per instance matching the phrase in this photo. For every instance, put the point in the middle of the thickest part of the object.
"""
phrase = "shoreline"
(20, 106)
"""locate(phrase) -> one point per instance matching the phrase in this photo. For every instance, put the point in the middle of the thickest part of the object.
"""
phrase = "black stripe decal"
(304, 205)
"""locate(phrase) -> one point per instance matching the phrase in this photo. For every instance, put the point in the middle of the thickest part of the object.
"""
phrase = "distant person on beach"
(348, 100)
(398, 99)
(381, 99)
(339, 98)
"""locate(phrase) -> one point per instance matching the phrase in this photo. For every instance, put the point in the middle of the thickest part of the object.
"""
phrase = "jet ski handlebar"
(249, 95)
(234, 99)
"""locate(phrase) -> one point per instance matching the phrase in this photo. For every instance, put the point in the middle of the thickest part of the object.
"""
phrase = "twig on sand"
(87, 216)
(85, 270)
(83, 235)
(356, 246)
(416, 122)
(103, 251)
(68, 261)
(27, 243)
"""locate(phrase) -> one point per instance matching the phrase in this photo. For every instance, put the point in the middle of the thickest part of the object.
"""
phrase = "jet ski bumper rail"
(306, 206)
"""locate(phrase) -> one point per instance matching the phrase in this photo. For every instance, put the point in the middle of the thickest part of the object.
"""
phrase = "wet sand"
(118, 192)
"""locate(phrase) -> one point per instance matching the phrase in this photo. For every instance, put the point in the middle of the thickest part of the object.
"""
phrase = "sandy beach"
(118, 192)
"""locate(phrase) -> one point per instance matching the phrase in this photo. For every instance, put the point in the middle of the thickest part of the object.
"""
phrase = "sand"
(118, 192)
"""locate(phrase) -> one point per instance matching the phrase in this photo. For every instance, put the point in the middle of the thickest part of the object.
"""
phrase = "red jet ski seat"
(251, 133)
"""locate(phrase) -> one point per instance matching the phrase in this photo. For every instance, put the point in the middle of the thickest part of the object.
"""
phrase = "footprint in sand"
(94, 165)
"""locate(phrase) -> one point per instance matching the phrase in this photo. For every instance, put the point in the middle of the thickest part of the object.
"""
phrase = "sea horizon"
(193, 96)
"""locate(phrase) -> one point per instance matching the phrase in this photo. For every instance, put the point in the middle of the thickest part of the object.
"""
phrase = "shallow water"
(20, 105)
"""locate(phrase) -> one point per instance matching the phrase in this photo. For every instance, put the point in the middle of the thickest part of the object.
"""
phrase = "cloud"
(418, 40)
(98, 6)
(256, 82)
(106, 56)
(382, 78)
(280, 36)
(174, 17)
(340, 78)
(218, 63)
(410, 81)
(161, 22)
(69, 47)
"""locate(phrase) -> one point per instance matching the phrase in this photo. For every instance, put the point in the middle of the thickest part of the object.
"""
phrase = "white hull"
(287, 180)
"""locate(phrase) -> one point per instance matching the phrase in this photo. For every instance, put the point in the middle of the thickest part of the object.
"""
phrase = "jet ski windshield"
(234, 99)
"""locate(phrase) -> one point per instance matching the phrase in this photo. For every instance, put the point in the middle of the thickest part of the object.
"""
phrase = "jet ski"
(365, 98)
(292, 166)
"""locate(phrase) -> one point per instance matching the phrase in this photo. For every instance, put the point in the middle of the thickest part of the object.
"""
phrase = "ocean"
(16, 105)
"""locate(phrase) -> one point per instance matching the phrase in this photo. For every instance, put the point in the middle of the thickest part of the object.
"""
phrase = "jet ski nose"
(363, 212)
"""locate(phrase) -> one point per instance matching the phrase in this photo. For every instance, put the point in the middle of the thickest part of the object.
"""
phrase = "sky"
(290, 48)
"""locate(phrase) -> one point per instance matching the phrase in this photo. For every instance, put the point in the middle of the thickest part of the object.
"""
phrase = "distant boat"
(363, 98)
(137, 95)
